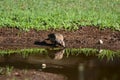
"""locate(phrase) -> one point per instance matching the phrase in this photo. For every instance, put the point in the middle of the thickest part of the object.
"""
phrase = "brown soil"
(84, 37)
(32, 74)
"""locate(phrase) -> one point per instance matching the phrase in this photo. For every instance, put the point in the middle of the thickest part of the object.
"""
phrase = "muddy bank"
(85, 37)
(31, 74)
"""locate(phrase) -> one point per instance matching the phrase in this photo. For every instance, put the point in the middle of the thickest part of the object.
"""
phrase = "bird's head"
(62, 43)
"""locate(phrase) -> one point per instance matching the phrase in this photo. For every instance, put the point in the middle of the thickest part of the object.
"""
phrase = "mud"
(84, 37)
(30, 74)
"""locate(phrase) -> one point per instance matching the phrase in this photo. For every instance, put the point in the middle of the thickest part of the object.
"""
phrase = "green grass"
(74, 51)
(57, 14)
(6, 71)
(23, 51)
(108, 54)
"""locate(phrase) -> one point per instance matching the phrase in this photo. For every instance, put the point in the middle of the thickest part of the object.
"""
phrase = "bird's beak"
(63, 43)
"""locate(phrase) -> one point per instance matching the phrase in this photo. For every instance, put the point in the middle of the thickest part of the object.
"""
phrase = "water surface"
(73, 66)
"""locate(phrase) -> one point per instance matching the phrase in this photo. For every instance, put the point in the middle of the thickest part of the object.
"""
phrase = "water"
(74, 67)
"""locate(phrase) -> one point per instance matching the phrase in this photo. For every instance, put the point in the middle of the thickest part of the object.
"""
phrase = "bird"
(56, 39)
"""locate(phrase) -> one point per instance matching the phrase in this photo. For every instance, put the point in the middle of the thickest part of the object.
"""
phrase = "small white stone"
(100, 51)
(17, 74)
(100, 41)
(43, 66)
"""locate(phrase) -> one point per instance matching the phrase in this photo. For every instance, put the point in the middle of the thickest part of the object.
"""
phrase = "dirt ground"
(17, 74)
(84, 37)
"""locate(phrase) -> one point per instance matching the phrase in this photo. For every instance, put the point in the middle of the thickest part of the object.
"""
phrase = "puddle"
(73, 66)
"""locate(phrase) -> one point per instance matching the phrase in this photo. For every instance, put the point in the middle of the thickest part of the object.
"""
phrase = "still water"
(74, 67)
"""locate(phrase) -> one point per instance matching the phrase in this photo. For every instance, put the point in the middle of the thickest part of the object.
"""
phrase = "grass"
(74, 51)
(77, 51)
(7, 70)
(23, 51)
(108, 54)
(63, 14)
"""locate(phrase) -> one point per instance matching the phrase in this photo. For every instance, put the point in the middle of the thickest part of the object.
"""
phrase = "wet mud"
(84, 37)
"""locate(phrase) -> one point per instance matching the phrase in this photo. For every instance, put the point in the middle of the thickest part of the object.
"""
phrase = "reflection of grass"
(67, 14)
(69, 51)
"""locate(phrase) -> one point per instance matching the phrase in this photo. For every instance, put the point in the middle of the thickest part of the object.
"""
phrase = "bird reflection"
(57, 55)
